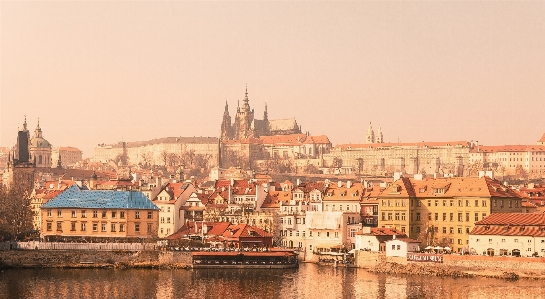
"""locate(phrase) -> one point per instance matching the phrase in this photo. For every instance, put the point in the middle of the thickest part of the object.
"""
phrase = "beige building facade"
(443, 211)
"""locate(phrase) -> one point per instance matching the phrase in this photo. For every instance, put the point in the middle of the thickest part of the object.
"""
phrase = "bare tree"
(164, 157)
(15, 213)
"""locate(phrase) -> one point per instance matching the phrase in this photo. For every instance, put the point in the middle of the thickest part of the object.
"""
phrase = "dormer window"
(439, 191)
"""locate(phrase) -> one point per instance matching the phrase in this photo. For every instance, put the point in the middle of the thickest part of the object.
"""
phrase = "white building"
(400, 247)
(169, 200)
(516, 234)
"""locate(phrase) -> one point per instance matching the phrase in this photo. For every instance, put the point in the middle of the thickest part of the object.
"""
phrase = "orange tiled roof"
(542, 138)
(292, 139)
(507, 148)
(458, 186)
(410, 144)
(321, 139)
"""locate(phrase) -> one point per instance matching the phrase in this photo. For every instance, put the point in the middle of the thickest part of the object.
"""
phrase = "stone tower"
(370, 137)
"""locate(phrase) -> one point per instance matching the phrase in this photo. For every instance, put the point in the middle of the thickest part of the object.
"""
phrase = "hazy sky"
(106, 71)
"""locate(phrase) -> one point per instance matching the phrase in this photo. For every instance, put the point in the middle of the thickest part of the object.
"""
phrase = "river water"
(309, 281)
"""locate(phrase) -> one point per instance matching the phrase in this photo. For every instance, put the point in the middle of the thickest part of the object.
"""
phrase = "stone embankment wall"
(80, 258)
(455, 265)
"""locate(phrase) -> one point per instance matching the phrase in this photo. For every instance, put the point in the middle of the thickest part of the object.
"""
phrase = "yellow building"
(97, 214)
(443, 211)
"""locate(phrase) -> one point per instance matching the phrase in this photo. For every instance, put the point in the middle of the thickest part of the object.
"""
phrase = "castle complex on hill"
(246, 126)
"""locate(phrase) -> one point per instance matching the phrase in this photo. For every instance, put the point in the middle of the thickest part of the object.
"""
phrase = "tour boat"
(272, 259)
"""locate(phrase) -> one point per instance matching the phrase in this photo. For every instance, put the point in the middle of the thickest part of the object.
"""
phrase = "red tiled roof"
(528, 204)
(513, 219)
(515, 230)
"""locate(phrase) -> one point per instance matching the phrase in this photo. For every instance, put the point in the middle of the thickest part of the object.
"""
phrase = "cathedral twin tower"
(246, 126)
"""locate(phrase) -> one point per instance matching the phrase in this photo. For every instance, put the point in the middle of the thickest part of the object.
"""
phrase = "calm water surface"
(309, 281)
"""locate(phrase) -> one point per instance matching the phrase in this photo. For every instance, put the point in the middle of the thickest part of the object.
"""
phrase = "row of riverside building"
(464, 214)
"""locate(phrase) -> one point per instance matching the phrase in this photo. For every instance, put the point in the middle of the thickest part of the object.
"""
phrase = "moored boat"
(244, 259)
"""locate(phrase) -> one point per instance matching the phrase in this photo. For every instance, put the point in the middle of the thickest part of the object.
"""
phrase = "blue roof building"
(98, 214)
(74, 197)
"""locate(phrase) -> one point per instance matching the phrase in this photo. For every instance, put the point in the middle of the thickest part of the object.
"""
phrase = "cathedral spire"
(25, 125)
(265, 113)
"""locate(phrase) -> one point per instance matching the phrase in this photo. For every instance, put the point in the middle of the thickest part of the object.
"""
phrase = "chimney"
(393, 237)
(481, 173)
(348, 184)
(232, 182)
(340, 184)
(418, 177)
(397, 176)
(366, 230)
(298, 182)
(490, 174)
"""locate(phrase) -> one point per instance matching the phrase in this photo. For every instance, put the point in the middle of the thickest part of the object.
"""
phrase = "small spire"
(25, 125)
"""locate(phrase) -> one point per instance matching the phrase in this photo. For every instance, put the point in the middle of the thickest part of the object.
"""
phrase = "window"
(137, 227)
(103, 227)
(459, 230)
(418, 216)
(444, 216)
(429, 216)
(59, 213)
(121, 227)
(418, 203)
(389, 216)
(83, 215)
(403, 216)
(83, 226)
(467, 216)
(444, 230)
(451, 216)
(150, 215)
(444, 202)
(122, 216)
(336, 234)
(59, 226)
(49, 226)
(418, 229)
(72, 226)
(48, 213)
(460, 217)
(476, 202)
(113, 227)
(327, 234)
(476, 217)
(436, 216)
(137, 215)
(95, 214)
(103, 214)
(483, 216)
(95, 227)
(162, 219)
(451, 230)
(452, 203)
(483, 203)
(73, 214)
(114, 214)
(467, 230)
(429, 203)
(150, 227)
(467, 203)
(397, 216)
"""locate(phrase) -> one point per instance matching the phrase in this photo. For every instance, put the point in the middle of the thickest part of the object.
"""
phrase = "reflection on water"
(309, 281)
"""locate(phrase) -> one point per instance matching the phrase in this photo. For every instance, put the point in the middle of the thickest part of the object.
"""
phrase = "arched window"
(39, 159)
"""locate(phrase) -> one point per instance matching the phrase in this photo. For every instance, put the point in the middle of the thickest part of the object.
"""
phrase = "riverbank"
(94, 259)
(456, 266)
